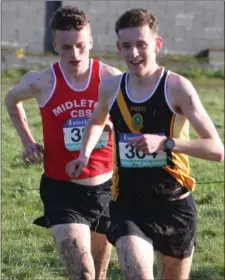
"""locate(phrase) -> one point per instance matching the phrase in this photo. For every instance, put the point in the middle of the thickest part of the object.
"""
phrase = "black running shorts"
(68, 202)
(170, 226)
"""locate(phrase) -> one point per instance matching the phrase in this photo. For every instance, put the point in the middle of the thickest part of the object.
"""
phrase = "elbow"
(216, 150)
(220, 155)
(9, 102)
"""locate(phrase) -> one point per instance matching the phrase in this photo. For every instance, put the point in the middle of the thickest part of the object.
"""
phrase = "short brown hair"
(136, 18)
(68, 18)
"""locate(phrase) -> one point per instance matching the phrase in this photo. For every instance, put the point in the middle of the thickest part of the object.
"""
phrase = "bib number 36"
(130, 157)
(132, 152)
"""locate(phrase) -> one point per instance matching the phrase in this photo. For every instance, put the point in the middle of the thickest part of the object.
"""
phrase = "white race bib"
(73, 131)
(130, 157)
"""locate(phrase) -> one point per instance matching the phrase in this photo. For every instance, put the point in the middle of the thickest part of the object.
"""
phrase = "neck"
(149, 76)
(76, 76)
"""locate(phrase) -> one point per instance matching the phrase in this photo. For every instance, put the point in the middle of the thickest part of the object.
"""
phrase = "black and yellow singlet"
(150, 116)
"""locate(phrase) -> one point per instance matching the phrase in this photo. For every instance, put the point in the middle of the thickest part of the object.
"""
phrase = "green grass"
(28, 251)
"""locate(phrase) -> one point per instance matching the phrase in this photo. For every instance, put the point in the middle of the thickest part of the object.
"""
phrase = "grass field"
(28, 251)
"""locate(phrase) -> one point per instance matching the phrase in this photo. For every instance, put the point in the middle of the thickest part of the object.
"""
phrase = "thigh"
(74, 246)
(134, 248)
(135, 256)
(101, 252)
(99, 244)
(173, 268)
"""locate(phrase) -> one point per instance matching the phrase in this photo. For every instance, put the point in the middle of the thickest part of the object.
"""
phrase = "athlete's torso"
(64, 116)
(150, 116)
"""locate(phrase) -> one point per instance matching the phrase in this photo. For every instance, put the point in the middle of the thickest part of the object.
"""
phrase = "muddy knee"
(77, 259)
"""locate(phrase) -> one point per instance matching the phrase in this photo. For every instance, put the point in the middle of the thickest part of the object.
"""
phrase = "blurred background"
(190, 29)
(193, 33)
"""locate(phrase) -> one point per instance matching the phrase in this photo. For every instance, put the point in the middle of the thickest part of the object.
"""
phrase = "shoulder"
(181, 93)
(178, 84)
(37, 80)
(41, 80)
(111, 83)
(107, 71)
(108, 88)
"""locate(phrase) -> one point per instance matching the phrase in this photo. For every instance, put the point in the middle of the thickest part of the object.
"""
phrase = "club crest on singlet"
(73, 131)
(137, 121)
(130, 157)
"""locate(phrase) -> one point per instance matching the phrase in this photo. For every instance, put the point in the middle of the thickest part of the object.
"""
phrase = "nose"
(75, 52)
(134, 52)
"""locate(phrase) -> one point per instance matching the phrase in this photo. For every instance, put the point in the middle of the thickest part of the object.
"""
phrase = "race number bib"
(130, 157)
(73, 131)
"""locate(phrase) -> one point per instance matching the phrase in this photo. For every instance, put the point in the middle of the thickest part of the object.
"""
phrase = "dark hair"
(67, 18)
(136, 18)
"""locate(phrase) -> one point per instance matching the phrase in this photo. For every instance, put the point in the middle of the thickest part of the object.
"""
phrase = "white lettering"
(69, 105)
(76, 105)
(88, 113)
(81, 113)
(74, 114)
(90, 103)
(64, 109)
(83, 103)
(57, 111)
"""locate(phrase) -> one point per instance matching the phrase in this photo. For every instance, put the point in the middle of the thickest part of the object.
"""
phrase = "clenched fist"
(74, 167)
(32, 153)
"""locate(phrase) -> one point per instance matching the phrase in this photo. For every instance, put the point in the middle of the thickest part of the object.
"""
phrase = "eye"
(81, 46)
(66, 47)
(125, 46)
(141, 45)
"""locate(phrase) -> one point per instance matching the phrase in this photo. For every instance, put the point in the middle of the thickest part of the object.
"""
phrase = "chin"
(138, 73)
(74, 69)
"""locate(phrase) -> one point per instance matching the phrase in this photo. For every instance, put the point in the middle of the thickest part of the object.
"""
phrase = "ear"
(91, 43)
(118, 46)
(54, 45)
(159, 43)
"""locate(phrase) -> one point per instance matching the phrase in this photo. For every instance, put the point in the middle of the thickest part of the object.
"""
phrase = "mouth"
(136, 62)
(75, 62)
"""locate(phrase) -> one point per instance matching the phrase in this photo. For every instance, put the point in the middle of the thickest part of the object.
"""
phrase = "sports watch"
(169, 144)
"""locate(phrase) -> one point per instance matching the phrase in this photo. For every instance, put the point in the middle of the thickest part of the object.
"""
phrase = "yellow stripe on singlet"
(172, 125)
(128, 120)
(125, 112)
(179, 128)
(115, 177)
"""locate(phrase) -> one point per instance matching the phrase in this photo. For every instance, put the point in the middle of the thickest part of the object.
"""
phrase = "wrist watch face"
(169, 145)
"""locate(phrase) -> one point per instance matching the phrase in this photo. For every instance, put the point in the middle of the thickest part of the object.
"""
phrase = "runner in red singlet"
(67, 92)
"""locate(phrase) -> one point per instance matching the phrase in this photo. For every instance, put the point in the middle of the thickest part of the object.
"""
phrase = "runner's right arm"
(99, 117)
(25, 89)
